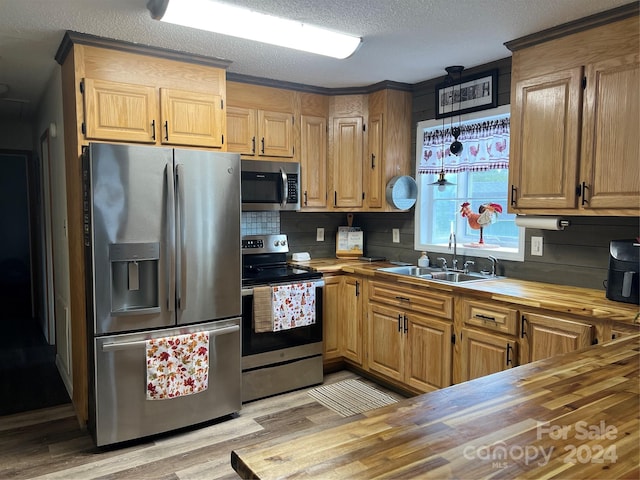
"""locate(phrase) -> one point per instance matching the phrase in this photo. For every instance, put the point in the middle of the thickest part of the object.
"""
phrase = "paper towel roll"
(542, 223)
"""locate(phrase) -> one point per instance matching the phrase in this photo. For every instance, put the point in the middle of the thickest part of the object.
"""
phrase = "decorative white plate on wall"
(402, 192)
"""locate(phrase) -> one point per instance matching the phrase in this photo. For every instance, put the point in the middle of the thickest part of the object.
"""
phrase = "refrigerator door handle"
(285, 188)
(110, 347)
(181, 277)
(170, 238)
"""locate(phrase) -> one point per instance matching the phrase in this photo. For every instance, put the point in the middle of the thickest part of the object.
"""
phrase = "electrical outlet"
(536, 246)
(319, 234)
(396, 235)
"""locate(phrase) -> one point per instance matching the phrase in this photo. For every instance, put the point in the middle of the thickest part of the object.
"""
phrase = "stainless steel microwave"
(269, 185)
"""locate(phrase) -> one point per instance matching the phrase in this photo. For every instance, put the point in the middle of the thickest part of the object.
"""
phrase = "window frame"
(500, 253)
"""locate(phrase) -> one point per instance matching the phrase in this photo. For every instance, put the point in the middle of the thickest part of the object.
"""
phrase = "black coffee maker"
(623, 280)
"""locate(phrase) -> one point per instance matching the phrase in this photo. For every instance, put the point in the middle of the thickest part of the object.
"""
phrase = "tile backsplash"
(260, 223)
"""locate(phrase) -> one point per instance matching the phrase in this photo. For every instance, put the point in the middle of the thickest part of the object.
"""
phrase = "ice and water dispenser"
(134, 278)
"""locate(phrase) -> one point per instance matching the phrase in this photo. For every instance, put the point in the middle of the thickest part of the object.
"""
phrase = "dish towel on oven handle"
(294, 305)
(177, 365)
(262, 309)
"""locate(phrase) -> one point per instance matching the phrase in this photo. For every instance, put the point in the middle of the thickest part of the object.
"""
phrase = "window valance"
(486, 147)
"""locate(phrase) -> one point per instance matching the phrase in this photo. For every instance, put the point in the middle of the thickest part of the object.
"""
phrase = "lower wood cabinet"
(350, 319)
(544, 336)
(484, 353)
(330, 317)
(405, 345)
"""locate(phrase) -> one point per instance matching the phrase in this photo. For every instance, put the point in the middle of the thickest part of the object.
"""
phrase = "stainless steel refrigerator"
(162, 243)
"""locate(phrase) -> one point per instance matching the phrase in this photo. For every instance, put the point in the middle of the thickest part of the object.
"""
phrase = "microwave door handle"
(285, 188)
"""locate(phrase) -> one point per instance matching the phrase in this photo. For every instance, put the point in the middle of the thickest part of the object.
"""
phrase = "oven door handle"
(110, 347)
(248, 291)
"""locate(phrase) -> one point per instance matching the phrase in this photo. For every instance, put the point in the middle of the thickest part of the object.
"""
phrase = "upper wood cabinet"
(389, 144)
(313, 164)
(259, 133)
(260, 121)
(574, 112)
(129, 113)
(347, 185)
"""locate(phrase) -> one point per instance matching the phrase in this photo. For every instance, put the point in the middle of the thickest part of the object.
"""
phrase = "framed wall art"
(469, 94)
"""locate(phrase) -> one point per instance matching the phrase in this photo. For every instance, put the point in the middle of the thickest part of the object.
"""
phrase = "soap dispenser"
(423, 261)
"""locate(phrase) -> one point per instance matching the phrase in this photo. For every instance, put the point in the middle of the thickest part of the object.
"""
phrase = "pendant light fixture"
(456, 147)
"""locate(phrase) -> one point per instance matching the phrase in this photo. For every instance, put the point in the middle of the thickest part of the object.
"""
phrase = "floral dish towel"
(294, 305)
(177, 366)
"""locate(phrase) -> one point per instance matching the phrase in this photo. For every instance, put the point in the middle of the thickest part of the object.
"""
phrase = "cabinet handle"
(523, 332)
(305, 198)
(514, 190)
(406, 324)
(399, 322)
(584, 200)
(509, 350)
(262, 142)
(166, 130)
(373, 160)
(403, 299)
(153, 129)
(253, 145)
(357, 288)
(335, 198)
(485, 317)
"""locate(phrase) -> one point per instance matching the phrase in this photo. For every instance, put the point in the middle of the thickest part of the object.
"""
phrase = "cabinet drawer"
(409, 298)
(489, 316)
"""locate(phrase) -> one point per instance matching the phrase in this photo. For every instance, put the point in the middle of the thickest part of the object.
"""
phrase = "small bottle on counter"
(423, 261)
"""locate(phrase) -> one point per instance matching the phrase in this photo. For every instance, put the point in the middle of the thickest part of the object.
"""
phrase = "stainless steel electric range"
(277, 361)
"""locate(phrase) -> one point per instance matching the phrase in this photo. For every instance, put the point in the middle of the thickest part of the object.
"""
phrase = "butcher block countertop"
(585, 302)
(570, 416)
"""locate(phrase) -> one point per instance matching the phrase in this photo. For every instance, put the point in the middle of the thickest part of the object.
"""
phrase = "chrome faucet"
(452, 238)
(466, 265)
(444, 262)
(494, 264)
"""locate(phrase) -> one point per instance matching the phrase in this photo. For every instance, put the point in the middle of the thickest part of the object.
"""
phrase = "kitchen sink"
(437, 274)
(459, 277)
(411, 270)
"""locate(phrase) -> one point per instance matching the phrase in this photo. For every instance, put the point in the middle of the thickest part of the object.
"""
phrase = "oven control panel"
(253, 244)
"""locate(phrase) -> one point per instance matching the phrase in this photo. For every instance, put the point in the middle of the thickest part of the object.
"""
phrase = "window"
(480, 175)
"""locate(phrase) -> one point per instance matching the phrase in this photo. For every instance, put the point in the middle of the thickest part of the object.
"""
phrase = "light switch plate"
(319, 234)
(536, 246)
(396, 235)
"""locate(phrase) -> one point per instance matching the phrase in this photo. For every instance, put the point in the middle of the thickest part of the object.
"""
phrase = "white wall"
(16, 135)
(49, 117)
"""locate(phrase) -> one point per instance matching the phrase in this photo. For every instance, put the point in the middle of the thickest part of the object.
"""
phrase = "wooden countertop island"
(571, 416)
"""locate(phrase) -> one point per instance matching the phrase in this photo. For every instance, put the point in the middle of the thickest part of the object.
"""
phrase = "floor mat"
(350, 397)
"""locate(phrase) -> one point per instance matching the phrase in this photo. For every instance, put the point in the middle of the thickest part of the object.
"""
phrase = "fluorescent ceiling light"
(239, 22)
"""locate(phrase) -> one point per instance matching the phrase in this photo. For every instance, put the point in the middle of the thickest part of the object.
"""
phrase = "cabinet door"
(375, 158)
(545, 141)
(347, 162)
(351, 319)
(119, 111)
(331, 316)
(313, 161)
(483, 354)
(428, 352)
(546, 336)
(386, 345)
(241, 130)
(191, 118)
(610, 147)
(275, 130)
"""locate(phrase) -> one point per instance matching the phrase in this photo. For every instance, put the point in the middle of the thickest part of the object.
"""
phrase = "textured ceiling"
(403, 40)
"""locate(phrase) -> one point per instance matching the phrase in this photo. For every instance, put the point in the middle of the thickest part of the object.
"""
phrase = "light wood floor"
(49, 444)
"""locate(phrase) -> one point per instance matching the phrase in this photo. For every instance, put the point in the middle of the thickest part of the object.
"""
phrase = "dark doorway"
(29, 378)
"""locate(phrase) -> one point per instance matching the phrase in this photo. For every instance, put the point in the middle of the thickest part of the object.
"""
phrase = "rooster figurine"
(488, 215)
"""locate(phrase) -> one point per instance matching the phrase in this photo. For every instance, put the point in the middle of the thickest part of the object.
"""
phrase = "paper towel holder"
(541, 222)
